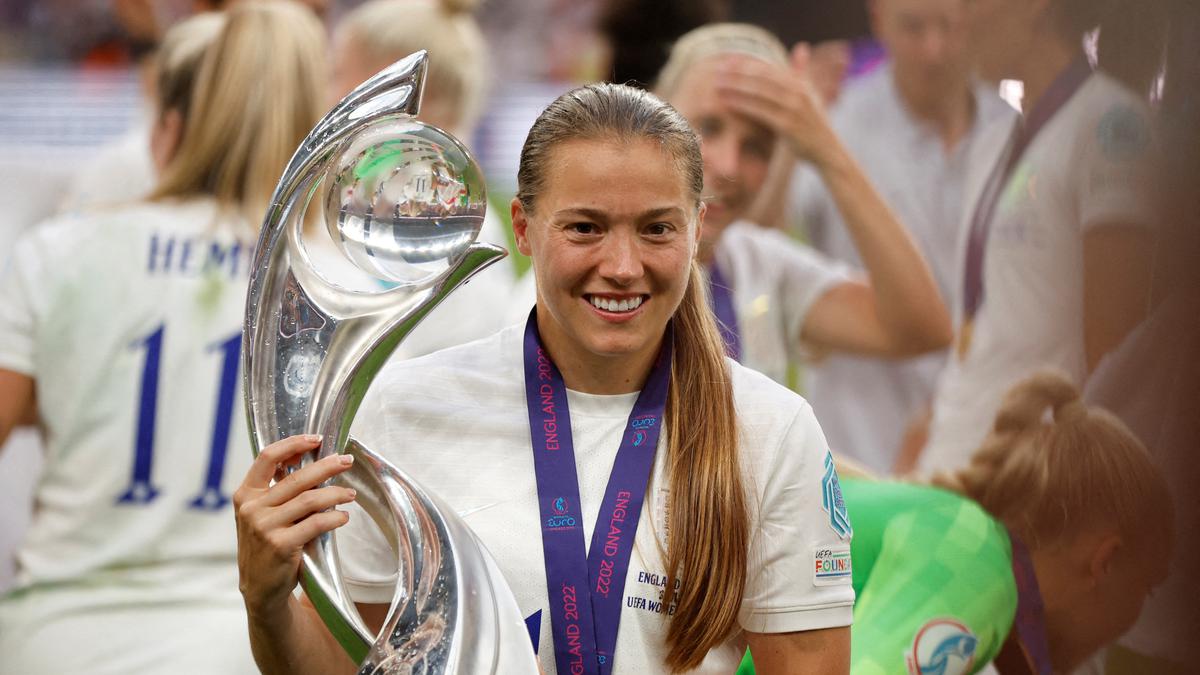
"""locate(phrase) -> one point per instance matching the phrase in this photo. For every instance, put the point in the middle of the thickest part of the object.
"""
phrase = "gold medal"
(964, 338)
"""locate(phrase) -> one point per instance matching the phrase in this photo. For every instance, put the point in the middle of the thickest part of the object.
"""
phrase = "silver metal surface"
(404, 201)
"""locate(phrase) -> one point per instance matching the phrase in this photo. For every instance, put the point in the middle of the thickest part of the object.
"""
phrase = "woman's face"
(737, 150)
(612, 235)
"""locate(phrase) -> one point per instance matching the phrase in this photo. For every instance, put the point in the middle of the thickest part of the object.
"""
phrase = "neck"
(592, 373)
(950, 114)
(1051, 569)
(1044, 65)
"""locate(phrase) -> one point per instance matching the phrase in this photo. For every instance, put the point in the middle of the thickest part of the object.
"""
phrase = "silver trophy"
(404, 201)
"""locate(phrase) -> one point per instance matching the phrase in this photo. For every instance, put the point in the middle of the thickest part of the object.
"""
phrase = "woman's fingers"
(304, 505)
(306, 478)
(262, 470)
(312, 527)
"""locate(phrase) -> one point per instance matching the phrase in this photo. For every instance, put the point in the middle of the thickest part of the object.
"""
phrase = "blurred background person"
(776, 299)
(120, 335)
(910, 125)
(1152, 381)
(370, 38)
(1055, 253)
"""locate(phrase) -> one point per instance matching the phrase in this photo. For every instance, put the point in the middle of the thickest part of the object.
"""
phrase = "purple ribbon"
(586, 587)
(720, 295)
(1030, 622)
(1024, 131)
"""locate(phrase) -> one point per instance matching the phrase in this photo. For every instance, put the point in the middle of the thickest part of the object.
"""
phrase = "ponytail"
(707, 504)
(1053, 467)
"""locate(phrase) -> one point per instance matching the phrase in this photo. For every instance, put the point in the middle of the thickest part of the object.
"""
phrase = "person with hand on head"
(120, 335)
(912, 126)
(1056, 248)
(699, 482)
(776, 299)
(1033, 557)
(368, 39)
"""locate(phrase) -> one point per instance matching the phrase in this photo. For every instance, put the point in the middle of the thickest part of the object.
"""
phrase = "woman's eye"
(658, 228)
(582, 228)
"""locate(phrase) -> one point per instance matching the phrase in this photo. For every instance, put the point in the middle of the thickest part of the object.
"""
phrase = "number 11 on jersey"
(141, 490)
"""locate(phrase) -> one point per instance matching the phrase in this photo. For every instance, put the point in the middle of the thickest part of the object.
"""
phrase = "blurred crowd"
(906, 216)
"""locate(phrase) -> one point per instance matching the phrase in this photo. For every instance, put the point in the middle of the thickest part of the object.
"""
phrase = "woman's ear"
(520, 225)
(699, 228)
(165, 137)
(1103, 557)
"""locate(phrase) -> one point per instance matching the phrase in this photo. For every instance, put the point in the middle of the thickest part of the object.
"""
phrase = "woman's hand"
(783, 100)
(274, 522)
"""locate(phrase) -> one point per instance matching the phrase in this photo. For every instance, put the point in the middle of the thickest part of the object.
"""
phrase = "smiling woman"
(539, 437)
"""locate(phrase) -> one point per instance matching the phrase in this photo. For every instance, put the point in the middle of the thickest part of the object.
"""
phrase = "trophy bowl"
(404, 201)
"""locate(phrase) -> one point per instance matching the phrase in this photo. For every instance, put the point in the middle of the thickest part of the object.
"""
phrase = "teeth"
(609, 305)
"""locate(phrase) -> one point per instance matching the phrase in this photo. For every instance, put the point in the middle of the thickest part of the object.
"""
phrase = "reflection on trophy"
(404, 201)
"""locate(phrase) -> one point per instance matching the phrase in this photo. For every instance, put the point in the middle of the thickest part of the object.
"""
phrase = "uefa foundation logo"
(942, 647)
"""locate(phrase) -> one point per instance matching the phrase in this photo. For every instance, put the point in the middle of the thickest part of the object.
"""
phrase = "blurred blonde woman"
(119, 337)
(369, 39)
(1035, 556)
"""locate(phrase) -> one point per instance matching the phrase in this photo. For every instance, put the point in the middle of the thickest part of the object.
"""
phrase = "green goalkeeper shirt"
(933, 579)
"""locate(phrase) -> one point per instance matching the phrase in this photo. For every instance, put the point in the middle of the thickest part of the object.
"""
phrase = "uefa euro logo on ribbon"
(405, 202)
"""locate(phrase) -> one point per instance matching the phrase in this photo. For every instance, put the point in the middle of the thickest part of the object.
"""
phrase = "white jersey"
(1088, 167)
(775, 282)
(906, 160)
(129, 321)
(457, 422)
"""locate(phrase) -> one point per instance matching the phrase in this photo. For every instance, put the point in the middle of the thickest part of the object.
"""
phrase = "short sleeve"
(1115, 169)
(799, 572)
(805, 274)
(21, 286)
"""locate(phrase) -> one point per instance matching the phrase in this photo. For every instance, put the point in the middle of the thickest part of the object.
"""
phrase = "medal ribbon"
(720, 295)
(1024, 132)
(1030, 622)
(586, 587)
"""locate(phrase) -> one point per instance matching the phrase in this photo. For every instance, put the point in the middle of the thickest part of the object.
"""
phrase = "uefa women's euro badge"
(404, 201)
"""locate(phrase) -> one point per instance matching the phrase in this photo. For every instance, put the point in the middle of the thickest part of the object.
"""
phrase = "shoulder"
(761, 401)
(1114, 118)
(863, 99)
(776, 425)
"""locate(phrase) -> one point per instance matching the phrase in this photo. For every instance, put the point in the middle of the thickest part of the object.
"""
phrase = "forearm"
(16, 402)
(907, 301)
(294, 641)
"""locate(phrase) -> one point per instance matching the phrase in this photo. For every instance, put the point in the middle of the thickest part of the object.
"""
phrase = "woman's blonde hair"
(714, 40)
(388, 30)
(1053, 467)
(709, 541)
(178, 58)
(257, 93)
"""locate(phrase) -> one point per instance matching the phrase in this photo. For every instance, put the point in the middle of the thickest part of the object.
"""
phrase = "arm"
(274, 522)
(814, 651)
(900, 311)
(16, 402)
(825, 66)
(1116, 286)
